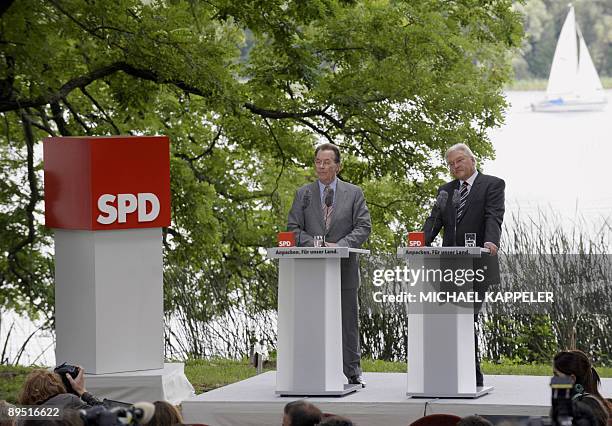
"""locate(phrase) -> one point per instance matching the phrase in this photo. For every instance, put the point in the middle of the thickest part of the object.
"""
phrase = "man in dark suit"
(480, 210)
(336, 210)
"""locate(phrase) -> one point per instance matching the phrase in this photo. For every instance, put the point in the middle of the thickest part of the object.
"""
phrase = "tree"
(244, 89)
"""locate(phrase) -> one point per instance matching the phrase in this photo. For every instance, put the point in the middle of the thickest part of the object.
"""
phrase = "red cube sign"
(99, 183)
(286, 239)
(416, 239)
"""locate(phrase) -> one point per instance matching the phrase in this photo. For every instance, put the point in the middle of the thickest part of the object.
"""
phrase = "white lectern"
(309, 361)
(441, 334)
(107, 199)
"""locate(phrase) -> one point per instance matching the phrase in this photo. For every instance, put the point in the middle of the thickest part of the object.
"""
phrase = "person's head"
(4, 409)
(461, 161)
(166, 414)
(474, 421)
(577, 366)
(327, 162)
(39, 386)
(336, 421)
(301, 413)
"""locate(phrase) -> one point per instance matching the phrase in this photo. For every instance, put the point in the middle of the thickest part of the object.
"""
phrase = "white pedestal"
(166, 384)
(441, 352)
(309, 360)
(109, 299)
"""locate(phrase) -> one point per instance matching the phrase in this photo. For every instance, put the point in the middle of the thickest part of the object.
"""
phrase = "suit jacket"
(350, 223)
(484, 214)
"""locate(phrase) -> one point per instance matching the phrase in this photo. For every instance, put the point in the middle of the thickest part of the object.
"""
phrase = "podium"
(441, 352)
(107, 200)
(309, 360)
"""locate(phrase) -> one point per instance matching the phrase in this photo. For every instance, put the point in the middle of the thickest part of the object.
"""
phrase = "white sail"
(573, 83)
(587, 82)
(565, 62)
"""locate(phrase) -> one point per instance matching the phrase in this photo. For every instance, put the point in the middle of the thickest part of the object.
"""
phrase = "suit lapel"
(316, 203)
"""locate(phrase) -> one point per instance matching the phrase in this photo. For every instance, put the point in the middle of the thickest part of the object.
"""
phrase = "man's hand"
(78, 384)
(331, 244)
(492, 247)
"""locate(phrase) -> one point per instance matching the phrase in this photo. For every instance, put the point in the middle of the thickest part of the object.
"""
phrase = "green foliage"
(520, 339)
(245, 90)
(11, 381)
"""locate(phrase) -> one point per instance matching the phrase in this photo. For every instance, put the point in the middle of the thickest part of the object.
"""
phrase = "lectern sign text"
(146, 203)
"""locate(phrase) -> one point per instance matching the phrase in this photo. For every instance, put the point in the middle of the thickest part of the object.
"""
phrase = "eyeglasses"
(326, 163)
(452, 164)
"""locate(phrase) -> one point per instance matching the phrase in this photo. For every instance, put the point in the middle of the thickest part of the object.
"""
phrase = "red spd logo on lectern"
(416, 239)
(126, 204)
(286, 239)
(100, 183)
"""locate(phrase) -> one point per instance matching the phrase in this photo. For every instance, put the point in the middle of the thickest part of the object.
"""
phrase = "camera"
(100, 415)
(73, 370)
(566, 409)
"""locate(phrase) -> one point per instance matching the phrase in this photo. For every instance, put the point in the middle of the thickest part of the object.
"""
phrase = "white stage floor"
(382, 402)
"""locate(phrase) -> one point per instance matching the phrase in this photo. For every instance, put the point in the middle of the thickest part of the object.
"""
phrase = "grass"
(210, 374)
(540, 84)
(11, 381)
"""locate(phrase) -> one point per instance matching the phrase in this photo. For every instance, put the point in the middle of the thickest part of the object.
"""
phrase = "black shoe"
(357, 380)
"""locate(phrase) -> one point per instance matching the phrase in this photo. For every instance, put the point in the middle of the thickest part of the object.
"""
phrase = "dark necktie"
(462, 200)
(328, 194)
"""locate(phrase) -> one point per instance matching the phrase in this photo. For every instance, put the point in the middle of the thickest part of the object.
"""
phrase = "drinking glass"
(470, 239)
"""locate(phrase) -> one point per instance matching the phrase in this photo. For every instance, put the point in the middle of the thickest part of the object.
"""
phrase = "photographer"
(43, 387)
(576, 366)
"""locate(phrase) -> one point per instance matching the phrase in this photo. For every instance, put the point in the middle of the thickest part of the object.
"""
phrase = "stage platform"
(382, 402)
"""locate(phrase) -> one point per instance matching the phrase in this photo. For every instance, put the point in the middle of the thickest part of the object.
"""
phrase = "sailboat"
(573, 83)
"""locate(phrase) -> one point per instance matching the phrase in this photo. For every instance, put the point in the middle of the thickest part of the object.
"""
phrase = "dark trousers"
(351, 352)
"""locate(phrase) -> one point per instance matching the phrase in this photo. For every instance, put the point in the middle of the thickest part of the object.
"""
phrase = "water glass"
(470, 239)
(319, 241)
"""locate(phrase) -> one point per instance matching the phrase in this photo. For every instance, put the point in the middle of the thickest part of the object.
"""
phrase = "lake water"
(555, 162)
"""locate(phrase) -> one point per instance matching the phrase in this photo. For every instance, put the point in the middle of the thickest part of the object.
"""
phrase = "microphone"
(305, 204)
(441, 200)
(329, 198)
(456, 199)
(439, 207)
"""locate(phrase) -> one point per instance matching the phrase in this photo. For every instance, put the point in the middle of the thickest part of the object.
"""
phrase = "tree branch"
(268, 113)
(99, 107)
(12, 104)
(58, 117)
(76, 116)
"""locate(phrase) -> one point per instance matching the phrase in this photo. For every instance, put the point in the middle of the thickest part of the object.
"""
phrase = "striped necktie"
(463, 198)
(327, 211)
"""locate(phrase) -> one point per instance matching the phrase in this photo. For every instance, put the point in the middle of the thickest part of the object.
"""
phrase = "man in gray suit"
(337, 210)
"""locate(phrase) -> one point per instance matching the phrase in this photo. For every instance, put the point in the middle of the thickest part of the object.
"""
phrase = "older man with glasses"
(337, 211)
